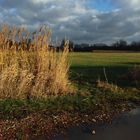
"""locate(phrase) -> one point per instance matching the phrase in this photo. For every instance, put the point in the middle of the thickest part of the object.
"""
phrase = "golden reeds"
(28, 68)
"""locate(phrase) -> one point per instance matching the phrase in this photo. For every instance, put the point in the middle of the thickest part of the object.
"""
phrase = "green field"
(89, 66)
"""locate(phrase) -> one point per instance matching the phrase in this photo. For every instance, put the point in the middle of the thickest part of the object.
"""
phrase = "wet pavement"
(125, 127)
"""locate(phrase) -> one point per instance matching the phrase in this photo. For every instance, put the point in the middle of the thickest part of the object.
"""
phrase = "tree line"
(120, 45)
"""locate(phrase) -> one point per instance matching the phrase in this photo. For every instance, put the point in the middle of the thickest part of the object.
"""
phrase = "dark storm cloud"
(74, 18)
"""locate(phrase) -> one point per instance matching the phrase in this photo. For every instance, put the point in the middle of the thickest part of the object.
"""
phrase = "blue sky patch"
(102, 5)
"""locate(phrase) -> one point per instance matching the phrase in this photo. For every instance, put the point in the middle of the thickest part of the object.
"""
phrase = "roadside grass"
(91, 92)
(83, 101)
(84, 74)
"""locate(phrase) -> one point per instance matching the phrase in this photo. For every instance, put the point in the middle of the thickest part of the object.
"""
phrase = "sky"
(82, 21)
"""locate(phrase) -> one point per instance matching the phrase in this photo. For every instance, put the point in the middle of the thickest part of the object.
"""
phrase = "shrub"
(133, 76)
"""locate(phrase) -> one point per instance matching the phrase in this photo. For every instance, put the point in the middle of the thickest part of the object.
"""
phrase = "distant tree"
(122, 43)
(119, 44)
(116, 44)
(134, 43)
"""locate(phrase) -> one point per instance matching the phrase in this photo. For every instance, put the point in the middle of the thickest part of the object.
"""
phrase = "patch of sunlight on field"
(104, 59)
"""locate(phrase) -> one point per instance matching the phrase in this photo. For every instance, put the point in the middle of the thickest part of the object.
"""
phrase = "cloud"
(80, 20)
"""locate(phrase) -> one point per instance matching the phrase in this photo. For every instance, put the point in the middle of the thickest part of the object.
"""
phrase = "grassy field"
(89, 66)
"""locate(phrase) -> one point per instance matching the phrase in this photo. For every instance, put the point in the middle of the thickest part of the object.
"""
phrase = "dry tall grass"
(105, 86)
(28, 68)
